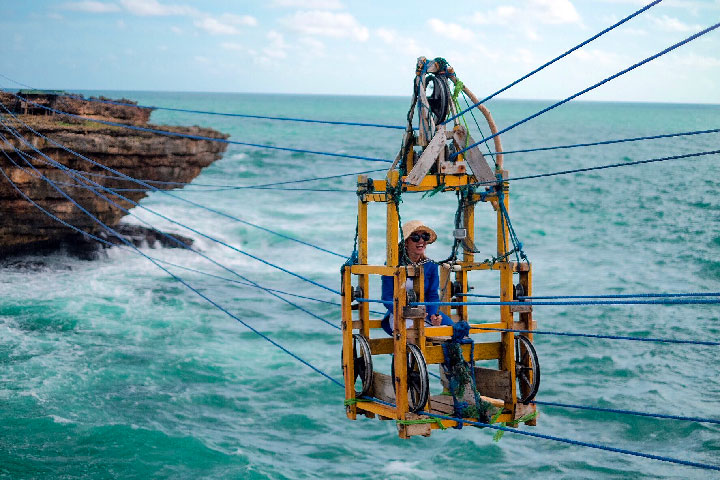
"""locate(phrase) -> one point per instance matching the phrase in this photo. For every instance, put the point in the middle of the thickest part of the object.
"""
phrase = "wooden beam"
(348, 354)
(482, 351)
(493, 383)
(428, 157)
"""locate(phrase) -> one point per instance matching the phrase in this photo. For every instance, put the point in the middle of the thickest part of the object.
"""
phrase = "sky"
(359, 47)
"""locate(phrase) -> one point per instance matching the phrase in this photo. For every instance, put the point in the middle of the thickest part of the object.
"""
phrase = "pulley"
(438, 96)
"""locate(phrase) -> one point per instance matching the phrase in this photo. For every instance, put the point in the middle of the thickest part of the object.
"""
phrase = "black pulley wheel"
(362, 365)
(438, 96)
(417, 378)
(527, 369)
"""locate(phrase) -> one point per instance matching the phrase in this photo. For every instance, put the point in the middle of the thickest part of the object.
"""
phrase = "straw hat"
(414, 225)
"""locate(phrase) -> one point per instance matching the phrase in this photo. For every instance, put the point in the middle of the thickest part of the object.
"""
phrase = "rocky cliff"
(142, 155)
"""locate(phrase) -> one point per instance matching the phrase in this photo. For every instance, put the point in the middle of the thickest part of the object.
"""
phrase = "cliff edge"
(139, 154)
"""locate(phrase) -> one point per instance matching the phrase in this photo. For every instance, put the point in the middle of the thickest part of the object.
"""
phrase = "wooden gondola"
(426, 164)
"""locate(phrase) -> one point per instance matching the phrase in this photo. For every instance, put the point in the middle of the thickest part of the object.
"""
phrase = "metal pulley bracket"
(356, 292)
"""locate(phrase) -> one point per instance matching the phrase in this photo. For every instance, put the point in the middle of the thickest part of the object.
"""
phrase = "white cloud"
(531, 12)
(91, 7)
(452, 31)
(146, 8)
(310, 4)
(672, 24)
(227, 24)
(598, 57)
(329, 24)
(176, 29)
(240, 20)
(532, 35)
(500, 16)
(313, 45)
(277, 46)
(555, 11)
(232, 46)
(399, 43)
(216, 27)
(697, 61)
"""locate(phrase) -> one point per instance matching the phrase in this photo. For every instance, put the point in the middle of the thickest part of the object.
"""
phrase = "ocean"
(113, 369)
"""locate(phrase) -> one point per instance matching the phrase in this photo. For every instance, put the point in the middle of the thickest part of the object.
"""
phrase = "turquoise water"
(111, 369)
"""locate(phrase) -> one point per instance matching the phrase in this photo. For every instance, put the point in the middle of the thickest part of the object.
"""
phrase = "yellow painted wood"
(507, 358)
(375, 197)
(392, 226)
(483, 351)
(378, 409)
(381, 346)
(363, 279)
(529, 324)
(400, 341)
(419, 287)
(348, 354)
(445, 289)
(358, 325)
(372, 270)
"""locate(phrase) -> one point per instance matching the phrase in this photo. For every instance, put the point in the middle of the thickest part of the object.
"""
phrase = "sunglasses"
(415, 237)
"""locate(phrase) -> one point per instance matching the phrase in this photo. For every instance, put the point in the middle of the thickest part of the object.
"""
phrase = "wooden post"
(469, 225)
(507, 352)
(400, 341)
(392, 222)
(363, 279)
(445, 289)
(526, 320)
(348, 353)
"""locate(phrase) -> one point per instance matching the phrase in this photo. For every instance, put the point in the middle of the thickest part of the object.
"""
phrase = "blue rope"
(238, 187)
(129, 244)
(182, 244)
(602, 82)
(603, 167)
(589, 302)
(629, 412)
(340, 384)
(155, 189)
(610, 142)
(642, 295)
(629, 295)
(322, 190)
(546, 332)
(560, 439)
(646, 7)
(152, 211)
(578, 442)
(609, 337)
(52, 162)
(239, 115)
(261, 117)
(200, 137)
(328, 302)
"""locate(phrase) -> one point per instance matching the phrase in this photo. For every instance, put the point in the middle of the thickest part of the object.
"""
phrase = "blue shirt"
(432, 284)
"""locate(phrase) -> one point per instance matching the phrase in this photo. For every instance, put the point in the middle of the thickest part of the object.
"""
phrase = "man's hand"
(436, 320)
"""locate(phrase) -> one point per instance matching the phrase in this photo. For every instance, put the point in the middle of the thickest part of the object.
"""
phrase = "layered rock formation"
(138, 154)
